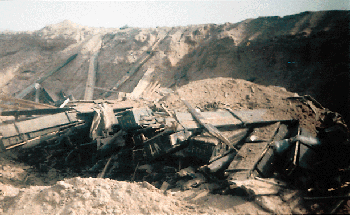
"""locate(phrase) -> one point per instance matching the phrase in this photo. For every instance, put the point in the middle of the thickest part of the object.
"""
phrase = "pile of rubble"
(272, 162)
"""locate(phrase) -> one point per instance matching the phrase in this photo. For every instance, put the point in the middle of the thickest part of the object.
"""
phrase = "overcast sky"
(34, 15)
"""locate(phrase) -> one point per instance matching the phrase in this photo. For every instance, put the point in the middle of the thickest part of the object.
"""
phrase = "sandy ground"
(105, 196)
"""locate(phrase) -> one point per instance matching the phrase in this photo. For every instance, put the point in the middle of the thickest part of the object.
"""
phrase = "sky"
(34, 15)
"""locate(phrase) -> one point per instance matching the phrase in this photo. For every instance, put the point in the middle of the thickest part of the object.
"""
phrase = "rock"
(8, 190)
(165, 186)
(49, 196)
(273, 204)
(256, 188)
(209, 186)
(62, 185)
(101, 197)
(187, 171)
(200, 195)
(147, 168)
(148, 186)
(198, 180)
(288, 195)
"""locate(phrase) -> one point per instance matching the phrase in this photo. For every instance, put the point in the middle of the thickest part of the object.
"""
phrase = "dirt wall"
(307, 53)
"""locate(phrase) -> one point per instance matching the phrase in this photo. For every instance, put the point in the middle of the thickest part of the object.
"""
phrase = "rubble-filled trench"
(274, 151)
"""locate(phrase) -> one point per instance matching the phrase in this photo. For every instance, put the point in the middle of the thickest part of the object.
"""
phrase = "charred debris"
(237, 150)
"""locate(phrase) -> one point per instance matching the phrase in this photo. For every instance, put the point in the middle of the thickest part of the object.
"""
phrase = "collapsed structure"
(264, 143)
(238, 149)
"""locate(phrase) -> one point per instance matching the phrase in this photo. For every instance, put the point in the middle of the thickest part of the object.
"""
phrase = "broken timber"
(209, 127)
(226, 120)
(248, 155)
(91, 79)
(34, 112)
(25, 103)
(140, 137)
(31, 87)
(31, 132)
(138, 64)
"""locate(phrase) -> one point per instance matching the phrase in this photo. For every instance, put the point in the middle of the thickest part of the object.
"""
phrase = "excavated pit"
(305, 53)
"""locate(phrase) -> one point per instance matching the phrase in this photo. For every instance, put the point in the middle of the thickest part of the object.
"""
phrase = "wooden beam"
(34, 112)
(6, 106)
(105, 89)
(31, 87)
(25, 103)
(91, 79)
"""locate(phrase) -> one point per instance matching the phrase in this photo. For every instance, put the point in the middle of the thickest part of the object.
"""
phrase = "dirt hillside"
(305, 53)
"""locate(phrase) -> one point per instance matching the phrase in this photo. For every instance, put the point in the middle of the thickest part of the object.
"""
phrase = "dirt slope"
(104, 196)
(306, 53)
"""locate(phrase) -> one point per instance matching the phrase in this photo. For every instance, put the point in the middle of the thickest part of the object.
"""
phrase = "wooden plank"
(250, 116)
(31, 87)
(37, 124)
(34, 112)
(224, 119)
(8, 130)
(209, 127)
(250, 153)
(46, 122)
(36, 137)
(217, 119)
(90, 82)
(245, 160)
(105, 89)
(6, 106)
(137, 65)
(143, 83)
(25, 103)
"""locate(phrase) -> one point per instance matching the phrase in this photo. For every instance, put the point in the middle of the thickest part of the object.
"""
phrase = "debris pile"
(272, 162)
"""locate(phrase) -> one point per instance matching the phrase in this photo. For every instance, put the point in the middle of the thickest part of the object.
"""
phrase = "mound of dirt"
(104, 196)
